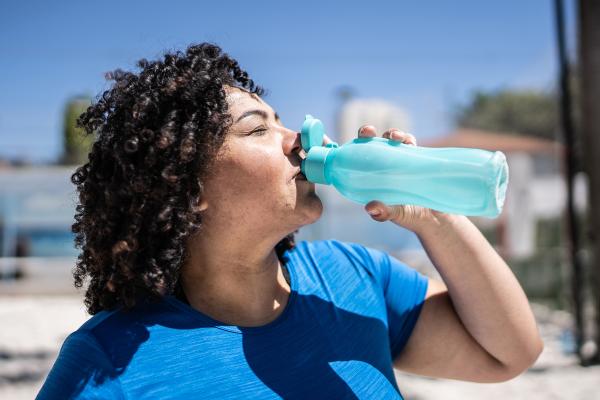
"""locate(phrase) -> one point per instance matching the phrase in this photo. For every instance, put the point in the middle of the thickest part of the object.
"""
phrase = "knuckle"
(396, 212)
(362, 128)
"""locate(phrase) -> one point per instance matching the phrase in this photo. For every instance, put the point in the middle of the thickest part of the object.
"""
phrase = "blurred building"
(37, 252)
(380, 113)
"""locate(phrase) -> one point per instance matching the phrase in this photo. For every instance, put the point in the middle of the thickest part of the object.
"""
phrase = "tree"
(522, 112)
(77, 143)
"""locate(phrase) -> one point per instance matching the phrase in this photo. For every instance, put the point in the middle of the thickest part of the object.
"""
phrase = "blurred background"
(514, 76)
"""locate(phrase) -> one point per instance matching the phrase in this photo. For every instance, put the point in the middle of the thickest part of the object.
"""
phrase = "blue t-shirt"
(350, 312)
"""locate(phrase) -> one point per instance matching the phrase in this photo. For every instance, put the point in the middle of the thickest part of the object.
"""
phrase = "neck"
(234, 284)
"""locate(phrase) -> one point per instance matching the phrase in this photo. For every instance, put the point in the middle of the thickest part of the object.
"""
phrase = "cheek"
(259, 168)
(255, 175)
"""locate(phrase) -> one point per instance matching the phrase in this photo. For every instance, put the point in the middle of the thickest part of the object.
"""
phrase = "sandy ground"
(33, 327)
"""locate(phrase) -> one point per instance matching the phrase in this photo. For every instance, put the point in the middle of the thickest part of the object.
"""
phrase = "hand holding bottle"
(406, 216)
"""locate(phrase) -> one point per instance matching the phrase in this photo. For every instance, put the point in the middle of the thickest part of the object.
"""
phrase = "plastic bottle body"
(454, 180)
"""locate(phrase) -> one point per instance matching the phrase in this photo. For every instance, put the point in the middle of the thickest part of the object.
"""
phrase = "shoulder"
(81, 369)
(105, 324)
(327, 248)
(93, 357)
(374, 264)
(330, 253)
(117, 332)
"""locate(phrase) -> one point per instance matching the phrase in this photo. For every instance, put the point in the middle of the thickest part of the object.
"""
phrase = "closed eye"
(259, 131)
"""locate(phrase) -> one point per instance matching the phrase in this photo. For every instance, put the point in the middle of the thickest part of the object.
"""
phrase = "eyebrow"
(263, 114)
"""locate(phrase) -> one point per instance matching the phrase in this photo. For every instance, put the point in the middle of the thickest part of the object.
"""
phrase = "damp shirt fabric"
(350, 312)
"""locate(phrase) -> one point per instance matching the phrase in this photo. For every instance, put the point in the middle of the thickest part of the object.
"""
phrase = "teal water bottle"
(454, 180)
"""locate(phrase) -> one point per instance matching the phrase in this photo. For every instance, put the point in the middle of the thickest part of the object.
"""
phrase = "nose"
(293, 144)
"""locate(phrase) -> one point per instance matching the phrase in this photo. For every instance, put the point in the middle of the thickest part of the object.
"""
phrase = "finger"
(412, 139)
(399, 136)
(367, 131)
(377, 210)
(326, 140)
(382, 212)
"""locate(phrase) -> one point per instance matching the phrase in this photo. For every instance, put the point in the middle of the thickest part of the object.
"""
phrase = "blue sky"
(424, 56)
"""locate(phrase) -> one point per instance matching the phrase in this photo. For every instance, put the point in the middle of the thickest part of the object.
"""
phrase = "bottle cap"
(313, 166)
(312, 133)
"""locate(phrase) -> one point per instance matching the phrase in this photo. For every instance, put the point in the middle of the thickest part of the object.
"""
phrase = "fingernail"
(374, 213)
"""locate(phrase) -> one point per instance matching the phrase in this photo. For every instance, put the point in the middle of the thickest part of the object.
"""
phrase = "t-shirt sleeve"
(404, 290)
(81, 371)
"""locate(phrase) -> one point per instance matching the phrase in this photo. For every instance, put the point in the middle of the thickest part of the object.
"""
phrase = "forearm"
(484, 292)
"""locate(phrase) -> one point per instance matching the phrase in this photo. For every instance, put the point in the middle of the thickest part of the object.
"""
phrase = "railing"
(36, 275)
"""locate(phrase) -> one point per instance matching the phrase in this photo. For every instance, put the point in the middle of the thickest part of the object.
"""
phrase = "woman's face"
(254, 185)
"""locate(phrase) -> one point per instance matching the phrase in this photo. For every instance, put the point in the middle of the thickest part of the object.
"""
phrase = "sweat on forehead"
(235, 93)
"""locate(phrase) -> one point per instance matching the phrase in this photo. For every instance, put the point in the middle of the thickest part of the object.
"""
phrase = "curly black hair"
(157, 134)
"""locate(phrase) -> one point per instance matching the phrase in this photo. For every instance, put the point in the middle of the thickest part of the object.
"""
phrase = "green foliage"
(522, 112)
(77, 143)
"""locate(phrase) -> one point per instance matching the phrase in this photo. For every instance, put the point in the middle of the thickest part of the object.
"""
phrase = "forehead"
(240, 101)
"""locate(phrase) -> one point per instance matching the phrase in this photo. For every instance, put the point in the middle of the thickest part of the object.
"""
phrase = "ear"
(202, 206)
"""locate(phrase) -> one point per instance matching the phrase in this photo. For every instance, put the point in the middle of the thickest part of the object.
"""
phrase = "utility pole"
(589, 56)
(568, 132)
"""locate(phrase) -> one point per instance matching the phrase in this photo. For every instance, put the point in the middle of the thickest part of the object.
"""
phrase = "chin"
(314, 210)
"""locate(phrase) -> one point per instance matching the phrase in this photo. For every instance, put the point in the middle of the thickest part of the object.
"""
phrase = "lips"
(300, 176)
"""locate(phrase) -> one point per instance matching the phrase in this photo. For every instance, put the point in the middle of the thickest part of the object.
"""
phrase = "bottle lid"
(312, 133)
(313, 166)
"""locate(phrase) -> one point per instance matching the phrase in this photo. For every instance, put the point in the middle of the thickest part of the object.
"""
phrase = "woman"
(188, 208)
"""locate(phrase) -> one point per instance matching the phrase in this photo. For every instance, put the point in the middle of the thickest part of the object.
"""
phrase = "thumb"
(377, 210)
